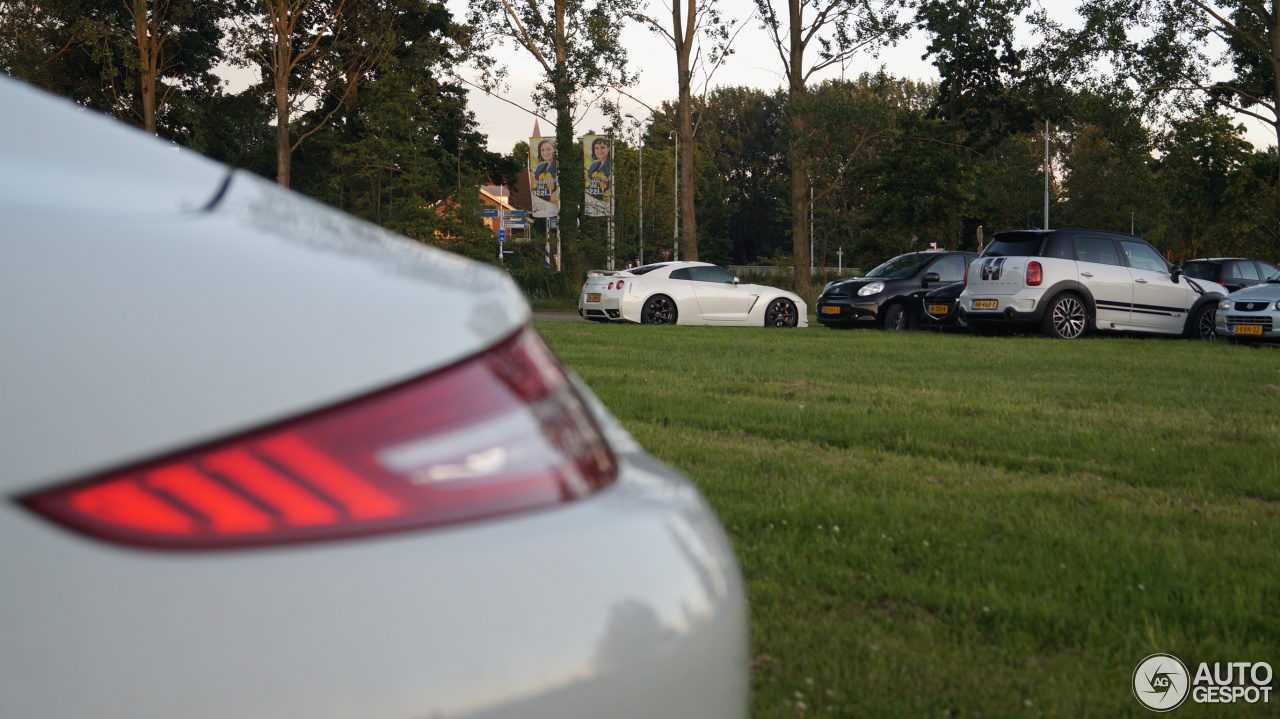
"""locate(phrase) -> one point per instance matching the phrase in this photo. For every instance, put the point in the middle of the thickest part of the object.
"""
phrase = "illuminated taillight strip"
(502, 432)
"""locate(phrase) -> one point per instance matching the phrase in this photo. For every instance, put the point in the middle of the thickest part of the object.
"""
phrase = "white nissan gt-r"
(687, 293)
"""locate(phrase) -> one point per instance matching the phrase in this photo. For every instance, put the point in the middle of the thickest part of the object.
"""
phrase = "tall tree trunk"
(684, 36)
(148, 56)
(797, 101)
(570, 182)
(284, 150)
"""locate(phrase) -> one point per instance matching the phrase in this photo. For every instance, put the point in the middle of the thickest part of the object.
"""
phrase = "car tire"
(1065, 317)
(898, 317)
(659, 310)
(1203, 324)
(781, 313)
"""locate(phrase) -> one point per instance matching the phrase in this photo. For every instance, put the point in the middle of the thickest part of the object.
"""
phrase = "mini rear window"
(1014, 245)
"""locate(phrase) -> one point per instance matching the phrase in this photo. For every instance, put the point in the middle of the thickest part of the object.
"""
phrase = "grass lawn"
(954, 526)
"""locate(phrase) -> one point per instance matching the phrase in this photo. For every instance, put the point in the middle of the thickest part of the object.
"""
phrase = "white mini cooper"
(1068, 282)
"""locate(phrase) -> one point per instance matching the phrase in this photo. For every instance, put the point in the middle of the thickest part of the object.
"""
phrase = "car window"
(1142, 256)
(1059, 246)
(1014, 245)
(1244, 271)
(644, 270)
(1270, 272)
(704, 273)
(681, 274)
(900, 266)
(1097, 249)
(949, 268)
(1201, 270)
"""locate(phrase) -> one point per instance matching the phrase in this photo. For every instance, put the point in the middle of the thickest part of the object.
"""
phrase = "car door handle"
(1086, 274)
(1141, 280)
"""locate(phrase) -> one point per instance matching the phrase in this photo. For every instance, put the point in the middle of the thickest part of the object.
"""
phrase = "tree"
(690, 20)
(576, 43)
(313, 54)
(130, 58)
(1164, 46)
(971, 44)
(835, 30)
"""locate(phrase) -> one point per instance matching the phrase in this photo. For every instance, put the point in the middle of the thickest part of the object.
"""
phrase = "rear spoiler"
(603, 273)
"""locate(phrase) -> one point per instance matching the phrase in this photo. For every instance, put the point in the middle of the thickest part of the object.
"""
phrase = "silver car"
(267, 460)
(1253, 313)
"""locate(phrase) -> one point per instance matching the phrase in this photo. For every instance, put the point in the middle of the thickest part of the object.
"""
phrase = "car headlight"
(874, 288)
(1277, 305)
(1225, 304)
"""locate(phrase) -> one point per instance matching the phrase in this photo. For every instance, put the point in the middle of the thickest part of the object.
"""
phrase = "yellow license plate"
(939, 309)
(985, 304)
(830, 310)
(593, 297)
(1246, 330)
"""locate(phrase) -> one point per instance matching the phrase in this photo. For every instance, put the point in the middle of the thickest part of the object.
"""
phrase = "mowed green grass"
(954, 526)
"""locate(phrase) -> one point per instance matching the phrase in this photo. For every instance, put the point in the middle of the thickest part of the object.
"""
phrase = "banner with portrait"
(544, 182)
(597, 160)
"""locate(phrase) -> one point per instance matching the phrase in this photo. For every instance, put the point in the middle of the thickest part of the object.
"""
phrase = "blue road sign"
(487, 212)
(502, 235)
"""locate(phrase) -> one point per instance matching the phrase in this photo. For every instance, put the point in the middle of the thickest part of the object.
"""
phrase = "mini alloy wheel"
(1066, 318)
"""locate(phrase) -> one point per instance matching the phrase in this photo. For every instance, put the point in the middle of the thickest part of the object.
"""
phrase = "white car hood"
(155, 300)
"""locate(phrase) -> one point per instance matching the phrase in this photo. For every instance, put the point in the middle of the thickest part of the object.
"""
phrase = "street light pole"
(640, 184)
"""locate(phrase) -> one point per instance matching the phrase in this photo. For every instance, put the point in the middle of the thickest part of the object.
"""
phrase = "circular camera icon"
(1160, 682)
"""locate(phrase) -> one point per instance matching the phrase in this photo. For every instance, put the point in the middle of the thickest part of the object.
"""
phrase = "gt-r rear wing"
(603, 273)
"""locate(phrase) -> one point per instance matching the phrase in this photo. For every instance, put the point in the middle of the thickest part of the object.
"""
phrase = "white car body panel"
(135, 325)
(697, 303)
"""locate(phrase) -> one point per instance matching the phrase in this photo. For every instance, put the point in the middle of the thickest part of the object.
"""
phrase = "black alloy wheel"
(781, 313)
(658, 310)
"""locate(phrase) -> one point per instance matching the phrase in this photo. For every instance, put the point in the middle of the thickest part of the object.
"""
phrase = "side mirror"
(930, 277)
(1176, 273)
(736, 281)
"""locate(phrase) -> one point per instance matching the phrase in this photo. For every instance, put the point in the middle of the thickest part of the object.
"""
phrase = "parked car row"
(1064, 283)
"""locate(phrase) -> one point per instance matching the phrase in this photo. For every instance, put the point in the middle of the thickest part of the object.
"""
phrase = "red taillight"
(620, 283)
(501, 432)
(1034, 273)
(966, 274)
(610, 285)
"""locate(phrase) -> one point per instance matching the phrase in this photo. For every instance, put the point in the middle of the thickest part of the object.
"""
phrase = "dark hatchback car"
(1234, 273)
(889, 296)
(940, 308)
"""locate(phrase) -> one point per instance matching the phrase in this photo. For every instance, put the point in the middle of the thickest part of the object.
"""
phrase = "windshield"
(900, 266)
(1201, 270)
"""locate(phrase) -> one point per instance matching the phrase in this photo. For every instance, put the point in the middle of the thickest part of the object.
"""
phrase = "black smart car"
(889, 296)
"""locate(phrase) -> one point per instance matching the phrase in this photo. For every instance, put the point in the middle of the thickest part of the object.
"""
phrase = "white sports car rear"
(268, 460)
(687, 293)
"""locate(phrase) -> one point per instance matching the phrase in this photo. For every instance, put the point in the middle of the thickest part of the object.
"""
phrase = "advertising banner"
(544, 171)
(597, 159)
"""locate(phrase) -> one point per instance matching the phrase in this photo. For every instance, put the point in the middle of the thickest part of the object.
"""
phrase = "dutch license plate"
(1246, 330)
(593, 297)
(939, 309)
(985, 304)
(830, 310)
